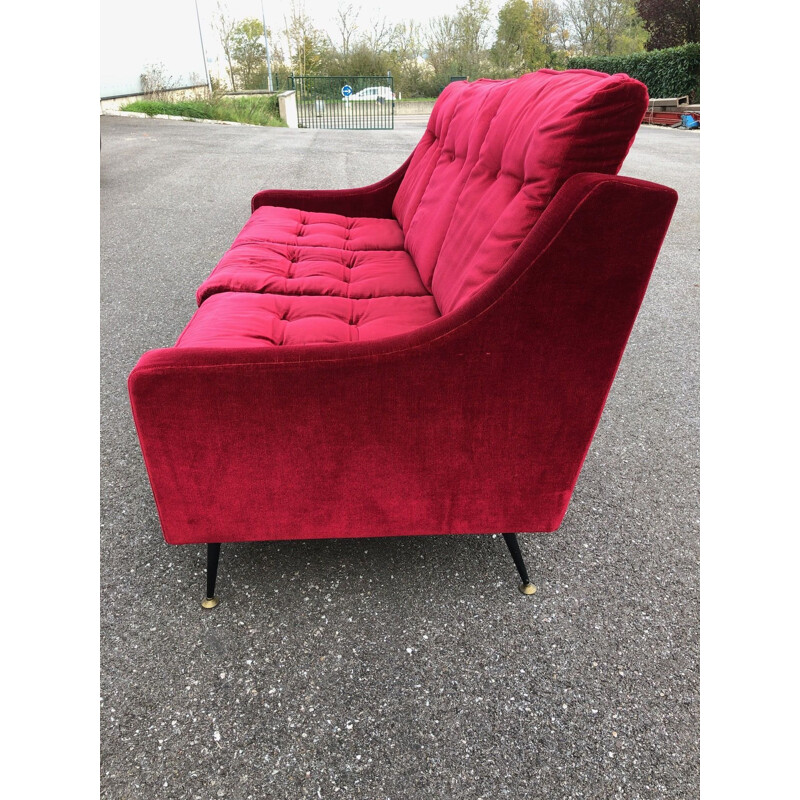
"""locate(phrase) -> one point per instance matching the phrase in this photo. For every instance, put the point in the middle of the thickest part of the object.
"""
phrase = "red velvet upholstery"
(245, 319)
(287, 269)
(270, 224)
(494, 155)
(303, 401)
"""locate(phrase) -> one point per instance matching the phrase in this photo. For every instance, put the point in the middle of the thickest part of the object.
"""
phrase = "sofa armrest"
(374, 200)
(478, 422)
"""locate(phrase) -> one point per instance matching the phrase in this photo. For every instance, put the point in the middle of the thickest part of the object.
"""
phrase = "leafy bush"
(672, 72)
(256, 110)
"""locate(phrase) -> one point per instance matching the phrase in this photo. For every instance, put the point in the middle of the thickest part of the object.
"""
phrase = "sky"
(136, 34)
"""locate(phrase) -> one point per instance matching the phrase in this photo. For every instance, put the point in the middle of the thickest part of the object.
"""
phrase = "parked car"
(379, 94)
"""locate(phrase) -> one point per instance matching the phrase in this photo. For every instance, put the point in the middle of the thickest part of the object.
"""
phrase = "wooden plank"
(666, 117)
(668, 102)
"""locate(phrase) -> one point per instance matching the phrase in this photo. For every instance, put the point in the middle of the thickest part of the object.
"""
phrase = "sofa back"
(493, 156)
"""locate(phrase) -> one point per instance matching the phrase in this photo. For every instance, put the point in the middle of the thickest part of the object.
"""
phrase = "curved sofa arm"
(374, 200)
(478, 422)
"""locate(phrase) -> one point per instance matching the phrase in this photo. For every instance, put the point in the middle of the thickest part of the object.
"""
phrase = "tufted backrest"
(493, 156)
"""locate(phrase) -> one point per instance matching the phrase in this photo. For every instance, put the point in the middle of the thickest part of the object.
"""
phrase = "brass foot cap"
(210, 602)
(527, 588)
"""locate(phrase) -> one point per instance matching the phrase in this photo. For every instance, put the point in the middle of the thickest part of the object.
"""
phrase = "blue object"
(347, 90)
(689, 121)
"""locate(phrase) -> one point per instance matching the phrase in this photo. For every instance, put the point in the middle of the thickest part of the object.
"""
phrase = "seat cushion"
(277, 225)
(246, 319)
(288, 269)
(494, 155)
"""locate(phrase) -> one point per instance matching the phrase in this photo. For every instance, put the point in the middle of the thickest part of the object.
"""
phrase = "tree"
(308, 46)
(457, 44)
(375, 48)
(347, 23)
(224, 26)
(472, 35)
(441, 46)
(670, 23)
(410, 70)
(249, 53)
(408, 45)
(622, 28)
(604, 27)
(380, 35)
(528, 36)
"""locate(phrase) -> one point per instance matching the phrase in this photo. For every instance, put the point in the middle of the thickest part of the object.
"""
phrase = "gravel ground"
(394, 668)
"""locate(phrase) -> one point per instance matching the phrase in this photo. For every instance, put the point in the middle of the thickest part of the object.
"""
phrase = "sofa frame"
(478, 422)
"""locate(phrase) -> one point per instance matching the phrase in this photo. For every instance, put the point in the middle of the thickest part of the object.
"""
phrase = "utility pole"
(203, 48)
(266, 42)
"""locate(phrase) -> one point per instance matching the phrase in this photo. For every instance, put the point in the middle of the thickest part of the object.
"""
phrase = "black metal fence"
(363, 102)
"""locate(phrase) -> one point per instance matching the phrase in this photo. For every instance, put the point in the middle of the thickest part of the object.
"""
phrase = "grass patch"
(259, 110)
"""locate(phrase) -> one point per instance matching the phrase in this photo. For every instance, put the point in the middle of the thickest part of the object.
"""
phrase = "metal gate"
(364, 102)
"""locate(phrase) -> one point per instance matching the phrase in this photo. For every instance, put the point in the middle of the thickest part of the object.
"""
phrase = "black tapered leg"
(513, 546)
(211, 575)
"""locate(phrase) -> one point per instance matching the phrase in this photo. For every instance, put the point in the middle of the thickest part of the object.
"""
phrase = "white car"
(379, 94)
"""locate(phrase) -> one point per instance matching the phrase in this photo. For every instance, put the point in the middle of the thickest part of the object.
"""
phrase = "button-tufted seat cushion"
(313, 229)
(288, 269)
(247, 319)
(492, 157)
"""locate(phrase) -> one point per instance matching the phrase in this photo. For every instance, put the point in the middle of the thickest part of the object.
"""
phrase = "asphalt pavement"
(394, 668)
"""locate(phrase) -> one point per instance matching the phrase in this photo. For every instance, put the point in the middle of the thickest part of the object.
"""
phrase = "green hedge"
(666, 73)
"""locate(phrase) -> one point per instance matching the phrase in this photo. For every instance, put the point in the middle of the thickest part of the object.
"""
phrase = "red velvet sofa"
(430, 354)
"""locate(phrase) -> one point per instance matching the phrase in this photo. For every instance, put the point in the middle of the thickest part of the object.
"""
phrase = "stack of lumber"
(668, 110)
